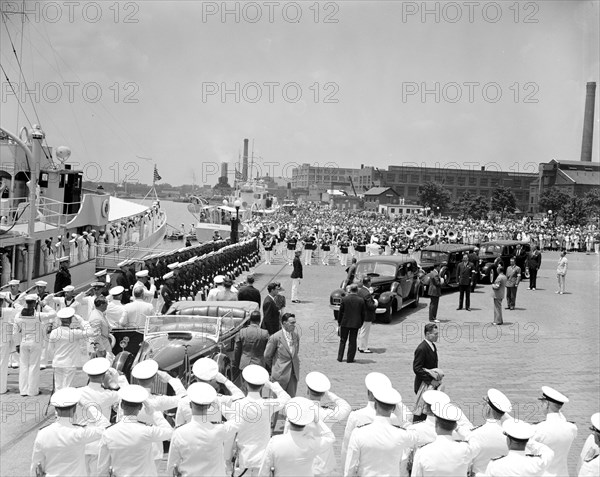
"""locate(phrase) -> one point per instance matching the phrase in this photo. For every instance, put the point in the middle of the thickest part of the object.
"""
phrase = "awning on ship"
(120, 208)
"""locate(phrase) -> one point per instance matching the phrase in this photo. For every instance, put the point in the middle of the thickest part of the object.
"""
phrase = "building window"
(483, 182)
(412, 191)
(414, 179)
(472, 181)
(450, 180)
(460, 180)
(426, 178)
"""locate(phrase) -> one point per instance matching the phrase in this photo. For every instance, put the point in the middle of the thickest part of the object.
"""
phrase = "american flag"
(238, 175)
(156, 175)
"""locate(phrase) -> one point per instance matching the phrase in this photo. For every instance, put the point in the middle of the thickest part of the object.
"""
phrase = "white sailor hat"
(65, 397)
(142, 274)
(552, 395)
(498, 401)
(133, 393)
(519, 430)
(63, 259)
(84, 233)
(65, 313)
(114, 291)
(123, 263)
(386, 395)
(31, 297)
(69, 288)
(145, 369)
(166, 276)
(173, 266)
(255, 374)
(447, 412)
(14, 282)
(41, 283)
(596, 421)
(73, 235)
(202, 393)
(318, 382)
(300, 411)
(433, 397)
(375, 379)
(101, 273)
(96, 366)
(219, 279)
(205, 369)
(97, 284)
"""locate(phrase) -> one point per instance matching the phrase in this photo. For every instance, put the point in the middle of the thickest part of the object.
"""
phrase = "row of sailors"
(210, 426)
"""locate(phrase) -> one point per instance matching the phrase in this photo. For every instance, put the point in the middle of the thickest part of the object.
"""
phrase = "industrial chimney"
(245, 161)
(588, 122)
(223, 169)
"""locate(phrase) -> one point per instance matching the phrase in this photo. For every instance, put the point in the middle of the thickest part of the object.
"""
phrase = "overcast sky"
(496, 84)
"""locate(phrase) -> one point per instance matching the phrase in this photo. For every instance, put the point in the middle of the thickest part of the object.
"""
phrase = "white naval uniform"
(59, 448)
(590, 468)
(444, 457)
(376, 449)
(400, 417)
(558, 434)
(114, 313)
(98, 334)
(65, 352)
(184, 411)
(135, 313)
(293, 454)
(127, 446)
(254, 415)
(491, 441)
(29, 332)
(525, 463)
(197, 448)
(148, 294)
(212, 294)
(7, 319)
(425, 431)
(589, 450)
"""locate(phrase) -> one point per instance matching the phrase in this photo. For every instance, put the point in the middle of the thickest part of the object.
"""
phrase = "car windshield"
(490, 249)
(180, 323)
(375, 269)
(434, 256)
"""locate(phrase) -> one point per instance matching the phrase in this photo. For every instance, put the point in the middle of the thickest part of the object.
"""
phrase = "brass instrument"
(409, 232)
(430, 232)
(452, 234)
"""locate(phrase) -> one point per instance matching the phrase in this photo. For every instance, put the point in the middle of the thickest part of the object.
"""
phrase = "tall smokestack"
(245, 160)
(588, 122)
(223, 169)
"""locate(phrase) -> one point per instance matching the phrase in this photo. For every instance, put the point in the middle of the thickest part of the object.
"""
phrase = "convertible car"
(190, 330)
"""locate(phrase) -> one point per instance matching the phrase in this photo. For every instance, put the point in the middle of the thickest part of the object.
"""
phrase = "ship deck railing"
(15, 211)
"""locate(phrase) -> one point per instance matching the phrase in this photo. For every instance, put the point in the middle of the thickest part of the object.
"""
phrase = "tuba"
(430, 232)
(409, 232)
(452, 234)
(274, 230)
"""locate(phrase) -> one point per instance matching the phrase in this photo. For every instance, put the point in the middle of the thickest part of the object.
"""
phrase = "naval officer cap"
(318, 382)
(142, 274)
(518, 430)
(31, 297)
(595, 422)
(134, 394)
(219, 279)
(65, 397)
(14, 282)
(69, 288)
(375, 379)
(433, 397)
(255, 374)
(145, 369)
(97, 284)
(115, 291)
(96, 366)
(552, 395)
(386, 395)
(447, 412)
(166, 276)
(173, 266)
(101, 273)
(300, 411)
(202, 393)
(63, 259)
(205, 369)
(41, 283)
(498, 401)
(65, 313)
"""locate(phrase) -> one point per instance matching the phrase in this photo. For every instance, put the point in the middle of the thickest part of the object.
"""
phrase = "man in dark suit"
(434, 290)
(296, 276)
(371, 303)
(534, 262)
(250, 345)
(282, 356)
(352, 314)
(426, 357)
(270, 311)
(248, 292)
(464, 274)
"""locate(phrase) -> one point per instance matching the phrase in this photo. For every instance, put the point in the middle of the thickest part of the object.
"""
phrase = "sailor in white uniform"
(490, 437)
(254, 412)
(292, 454)
(525, 457)
(444, 456)
(376, 449)
(127, 446)
(142, 277)
(197, 448)
(7, 320)
(64, 347)
(219, 288)
(58, 450)
(401, 416)
(589, 461)
(115, 309)
(556, 432)
(135, 313)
